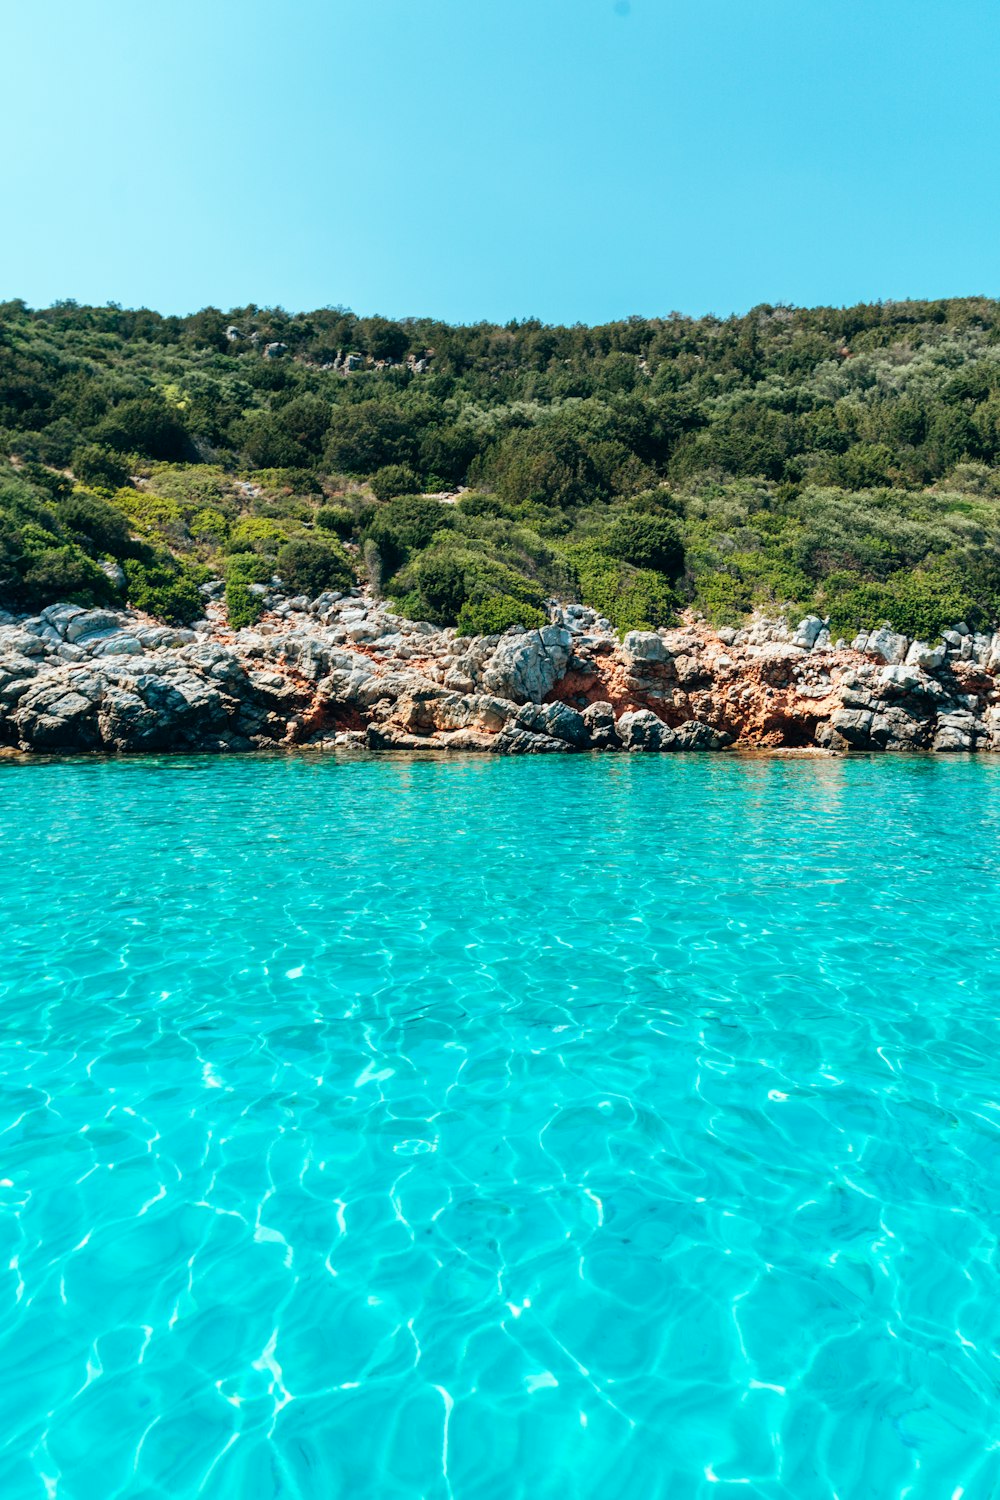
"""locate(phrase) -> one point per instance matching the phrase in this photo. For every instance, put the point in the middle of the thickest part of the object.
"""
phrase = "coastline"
(342, 671)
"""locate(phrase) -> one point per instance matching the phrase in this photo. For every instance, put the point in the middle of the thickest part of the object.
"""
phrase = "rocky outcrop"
(343, 670)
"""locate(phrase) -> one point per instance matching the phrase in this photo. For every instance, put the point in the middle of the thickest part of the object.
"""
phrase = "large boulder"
(644, 646)
(525, 667)
(886, 644)
(642, 730)
(89, 624)
(808, 632)
(694, 735)
(59, 712)
(557, 720)
(851, 728)
(514, 740)
(929, 658)
(600, 721)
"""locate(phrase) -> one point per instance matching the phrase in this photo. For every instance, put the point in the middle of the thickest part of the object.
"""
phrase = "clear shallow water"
(499, 1130)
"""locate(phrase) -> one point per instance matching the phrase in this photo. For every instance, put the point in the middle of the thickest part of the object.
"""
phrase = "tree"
(310, 567)
(145, 425)
(367, 436)
(96, 465)
(382, 339)
(647, 541)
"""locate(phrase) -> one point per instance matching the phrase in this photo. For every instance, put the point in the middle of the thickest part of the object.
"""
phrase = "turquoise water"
(500, 1130)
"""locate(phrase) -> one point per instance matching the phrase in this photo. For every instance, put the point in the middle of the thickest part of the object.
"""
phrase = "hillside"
(844, 462)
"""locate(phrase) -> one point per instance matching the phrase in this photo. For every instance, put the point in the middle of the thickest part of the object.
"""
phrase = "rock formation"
(343, 670)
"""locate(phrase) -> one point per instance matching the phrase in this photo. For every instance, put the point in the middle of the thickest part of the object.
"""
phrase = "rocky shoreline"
(344, 671)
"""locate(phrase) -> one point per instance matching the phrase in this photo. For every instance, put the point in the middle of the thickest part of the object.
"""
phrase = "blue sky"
(574, 160)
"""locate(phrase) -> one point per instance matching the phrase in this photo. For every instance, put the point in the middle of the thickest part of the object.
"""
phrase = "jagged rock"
(642, 730)
(89, 623)
(526, 667)
(950, 738)
(693, 735)
(517, 741)
(644, 646)
(851, 727)
(886, 644)
(558, 721)
(21, 642)
(55, 715)
(121, 643)
(600, 721)
(901, 679)
(896, 729)
(930, 658)
(808, 632)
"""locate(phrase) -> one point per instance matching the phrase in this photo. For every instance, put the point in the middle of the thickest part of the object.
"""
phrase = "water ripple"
(483, 1130)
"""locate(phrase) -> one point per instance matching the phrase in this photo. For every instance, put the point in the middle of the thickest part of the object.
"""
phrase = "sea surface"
(482, 1129)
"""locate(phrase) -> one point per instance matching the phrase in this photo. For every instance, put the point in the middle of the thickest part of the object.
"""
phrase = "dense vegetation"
(841, 460)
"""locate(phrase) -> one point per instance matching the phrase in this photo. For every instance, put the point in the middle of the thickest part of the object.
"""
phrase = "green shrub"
(723, 599)
(437, 583)
(257, 534)
(96, 525)
(50, 482)
(146, 425)
(248, 567)
(916, 603)
(164, 587)
(494, 616)
(209, 525)
(441, 583)
(242, 606)
(394, 479)
(404, 525)
(335, 518)
(311, 566)
(56, 575)
(98, 466)
(646, 541)
(631, 598)
(152, 515)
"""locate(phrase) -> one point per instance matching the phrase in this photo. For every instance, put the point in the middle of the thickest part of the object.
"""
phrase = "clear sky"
(574, 160)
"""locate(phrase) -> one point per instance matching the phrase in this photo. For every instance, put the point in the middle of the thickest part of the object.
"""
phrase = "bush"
(54, 486)
(918, 604)
(209, 525)
(441, 583)
(310, 567)
(165, 588)
(257, 534)
(394, 479)
(242, 606)
(335, 518)
(494, 616)
(248, 567)
(95, 465)
(441, 580)
(631, 598)
(646, 541)
(368, 436)
(404, 525)
(145, 425)
(56, 575)
(95, 524)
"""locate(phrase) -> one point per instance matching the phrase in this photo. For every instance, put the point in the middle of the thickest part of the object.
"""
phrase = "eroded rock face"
(527, 666)
(344, 670)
